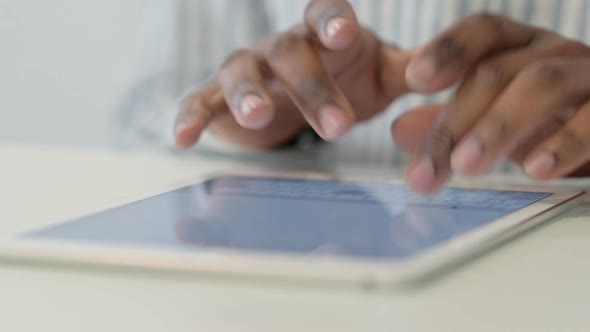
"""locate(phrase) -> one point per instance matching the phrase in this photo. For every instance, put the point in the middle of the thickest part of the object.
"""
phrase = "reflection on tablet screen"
(295, 216)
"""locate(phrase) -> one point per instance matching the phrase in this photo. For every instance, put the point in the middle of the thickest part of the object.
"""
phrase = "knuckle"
(441, 145)
(487, 18)
(313, 92)
(233, 63)
(561, 119)
(493, 23)
(490, 74)
(496, 126)
(546, 73)
(447, 51)
(284, 44)
(442, 142)
(502, 29)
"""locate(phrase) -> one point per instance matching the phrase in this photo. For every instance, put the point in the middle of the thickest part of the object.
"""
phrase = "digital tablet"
(293, 227)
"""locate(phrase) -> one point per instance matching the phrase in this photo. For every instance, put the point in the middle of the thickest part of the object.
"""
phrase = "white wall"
(64, 64)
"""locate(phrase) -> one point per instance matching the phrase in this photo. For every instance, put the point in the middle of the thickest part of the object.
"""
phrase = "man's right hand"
(328, 73)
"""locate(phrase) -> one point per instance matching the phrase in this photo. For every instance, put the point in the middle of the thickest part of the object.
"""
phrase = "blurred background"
(64, 67)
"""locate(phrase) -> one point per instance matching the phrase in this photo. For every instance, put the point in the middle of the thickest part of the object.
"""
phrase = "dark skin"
(263, 96)
(523, 94)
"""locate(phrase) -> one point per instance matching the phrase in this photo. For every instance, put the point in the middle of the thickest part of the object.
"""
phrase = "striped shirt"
(188, 39)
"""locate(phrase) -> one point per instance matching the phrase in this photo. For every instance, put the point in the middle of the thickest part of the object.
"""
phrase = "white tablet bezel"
(293, 267)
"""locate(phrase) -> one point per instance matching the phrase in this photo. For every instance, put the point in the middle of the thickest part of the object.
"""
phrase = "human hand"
(524, 95)
(328, 73)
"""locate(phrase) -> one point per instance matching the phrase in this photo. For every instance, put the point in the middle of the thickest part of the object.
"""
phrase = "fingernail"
(334, 122)
(541, 165)
(467, 156)
(254, 112)
(422, 177)
(250, 103)
(420, 73)
(334, 26)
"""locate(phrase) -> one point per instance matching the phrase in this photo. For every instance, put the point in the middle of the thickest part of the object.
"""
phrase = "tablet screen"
(296, 217)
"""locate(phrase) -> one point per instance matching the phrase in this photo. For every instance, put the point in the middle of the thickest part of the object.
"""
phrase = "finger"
(422, 176)
(333, 22)
(244, 87)
(196, 112)
(469, 104)
(445, 60)
(474, 97)
(297, 66)
(536, 96)
(333, 25)
(411, 129)
(565, 152)
(520, 154)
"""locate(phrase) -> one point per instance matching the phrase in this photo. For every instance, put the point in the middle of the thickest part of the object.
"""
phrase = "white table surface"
(541, 282)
